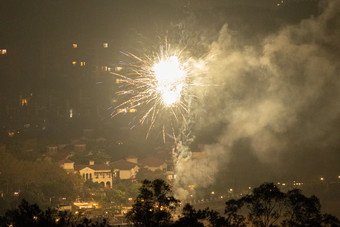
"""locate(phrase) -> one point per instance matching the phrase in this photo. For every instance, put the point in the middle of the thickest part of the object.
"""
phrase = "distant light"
(213, 193)
(16, 193)
(75, 45)
(130, 199)
(283, 184)
(231, 190)
(71, 113)
(249, 188)
(121, 110)
(74, 62)
(118, 68)
(322, 179)
(3, 51)
(24, 102)
(10, 134)
(82, 63)
(339, 177)
(105, 45)
(192, 187)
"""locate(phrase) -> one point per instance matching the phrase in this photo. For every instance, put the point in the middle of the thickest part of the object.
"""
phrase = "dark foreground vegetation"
(266, 206)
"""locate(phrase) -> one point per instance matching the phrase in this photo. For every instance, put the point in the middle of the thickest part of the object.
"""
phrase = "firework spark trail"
(161, 86)
(157, 84)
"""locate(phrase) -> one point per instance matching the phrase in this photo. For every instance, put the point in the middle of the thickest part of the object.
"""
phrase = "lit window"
(82, 63)
(74, 62)
(104, 68)
(75, 45)
(105, 45)
(23, 102)
(10, 134)
(3, 51)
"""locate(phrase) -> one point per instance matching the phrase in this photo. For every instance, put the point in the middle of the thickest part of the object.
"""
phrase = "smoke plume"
(281, 97)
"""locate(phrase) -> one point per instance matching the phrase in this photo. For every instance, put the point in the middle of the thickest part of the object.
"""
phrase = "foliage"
(302, 211)
(190, 217)
(234, 219)
(153, 205)
(268, 206)
(265, 205)
(31, 215)
(92, 185)
(41, 182)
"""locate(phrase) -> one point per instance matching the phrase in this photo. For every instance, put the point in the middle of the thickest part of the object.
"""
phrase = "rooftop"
(123, 165)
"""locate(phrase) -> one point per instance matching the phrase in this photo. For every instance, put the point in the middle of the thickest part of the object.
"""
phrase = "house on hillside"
(153, 164)
(124, 169)
(99, 173)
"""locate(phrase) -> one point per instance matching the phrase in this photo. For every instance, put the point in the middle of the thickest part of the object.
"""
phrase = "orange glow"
(24, 102)
(75, 45)
(74, 62)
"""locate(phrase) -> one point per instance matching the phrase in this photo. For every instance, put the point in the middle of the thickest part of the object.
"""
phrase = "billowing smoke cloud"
(282, 97)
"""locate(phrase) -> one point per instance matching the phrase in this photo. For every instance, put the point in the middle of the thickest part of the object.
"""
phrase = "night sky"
(272, 110)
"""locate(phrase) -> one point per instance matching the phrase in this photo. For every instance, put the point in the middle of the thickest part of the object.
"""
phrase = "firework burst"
(156, 85)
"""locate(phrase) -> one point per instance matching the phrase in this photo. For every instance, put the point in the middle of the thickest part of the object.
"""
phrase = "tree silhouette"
(30, 215)
(153, 205)
(265, 205)
(190, 217)
(302, 211)
(234, 219)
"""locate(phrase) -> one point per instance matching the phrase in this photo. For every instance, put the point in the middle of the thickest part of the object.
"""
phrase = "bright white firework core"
(170, 75)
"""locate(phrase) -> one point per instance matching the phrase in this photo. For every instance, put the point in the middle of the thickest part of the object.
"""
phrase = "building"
(124, 169)
(153, 164)
(98, 173)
